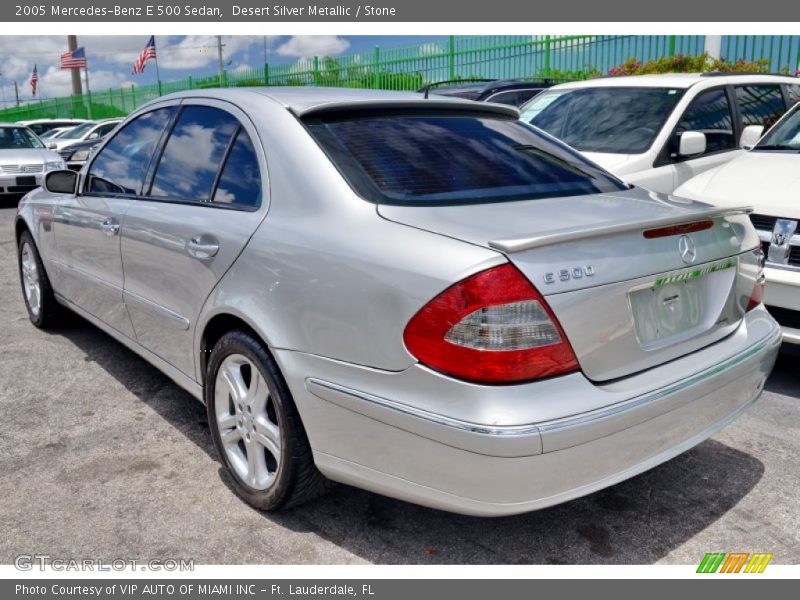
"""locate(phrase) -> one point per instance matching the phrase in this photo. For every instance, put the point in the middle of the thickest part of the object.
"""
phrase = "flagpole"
(158, 75)
(88, 91)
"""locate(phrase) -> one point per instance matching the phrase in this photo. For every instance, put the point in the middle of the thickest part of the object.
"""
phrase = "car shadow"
(635, 522)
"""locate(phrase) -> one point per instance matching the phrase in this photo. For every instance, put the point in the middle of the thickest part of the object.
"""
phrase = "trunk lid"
(626, 302)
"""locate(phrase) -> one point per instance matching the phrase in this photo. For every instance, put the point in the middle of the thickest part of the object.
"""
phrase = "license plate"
(30, 180)
(677, 306)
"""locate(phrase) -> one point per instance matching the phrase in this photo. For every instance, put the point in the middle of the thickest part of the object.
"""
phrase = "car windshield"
(79, 131)
(454, 158)
(784, 136)
(617, 120)
(12, 138)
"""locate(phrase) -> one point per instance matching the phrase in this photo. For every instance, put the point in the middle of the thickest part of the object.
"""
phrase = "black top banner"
(401, 11)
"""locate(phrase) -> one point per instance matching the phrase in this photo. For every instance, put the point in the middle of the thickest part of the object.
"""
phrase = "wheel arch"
(214, 328)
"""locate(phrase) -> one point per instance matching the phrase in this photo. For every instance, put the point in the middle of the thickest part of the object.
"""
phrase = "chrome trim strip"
(155, 309)
(515, 430)
(696, 379)
(557, 236)
(568, 422)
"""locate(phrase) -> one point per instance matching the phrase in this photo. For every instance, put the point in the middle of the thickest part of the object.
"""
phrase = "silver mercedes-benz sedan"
(421, 297)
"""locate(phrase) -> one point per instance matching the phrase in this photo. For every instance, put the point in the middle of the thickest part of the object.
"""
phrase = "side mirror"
(750, 135)
(61, 182)
(51, 145)
(692, 143)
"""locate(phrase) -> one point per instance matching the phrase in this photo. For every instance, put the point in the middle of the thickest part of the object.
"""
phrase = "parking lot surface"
(102, 456)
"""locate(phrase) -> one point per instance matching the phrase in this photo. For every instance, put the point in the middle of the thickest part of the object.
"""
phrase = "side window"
(120, 167)
(760, 104)
(104, 130)
(710, 113)
(240, 181)
(193, 153)
(794, 94)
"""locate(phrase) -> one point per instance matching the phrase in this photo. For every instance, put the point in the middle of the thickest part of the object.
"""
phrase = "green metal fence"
(454, 57)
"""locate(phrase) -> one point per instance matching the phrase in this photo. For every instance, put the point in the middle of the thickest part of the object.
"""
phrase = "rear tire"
(43, 309)
(256, 427)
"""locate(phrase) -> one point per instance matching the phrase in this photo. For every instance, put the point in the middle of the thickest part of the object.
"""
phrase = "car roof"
(307, 100)
(679, 80)
(65, 120)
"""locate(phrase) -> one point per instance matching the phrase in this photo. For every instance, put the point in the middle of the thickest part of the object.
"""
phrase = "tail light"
(757, 295)
(493, 327)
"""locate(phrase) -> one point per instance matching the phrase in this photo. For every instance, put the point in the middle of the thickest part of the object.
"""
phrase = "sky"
(110, 58)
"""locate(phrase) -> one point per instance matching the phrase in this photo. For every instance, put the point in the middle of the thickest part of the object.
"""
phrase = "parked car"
(90, 130)
(514, 92)
(51, 133)
(767, 178)
(658, 131)
(23, 160)
(426, 298)
(40, 126)
(76, 155)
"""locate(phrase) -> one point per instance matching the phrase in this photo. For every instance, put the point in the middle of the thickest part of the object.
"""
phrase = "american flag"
(73, 59)
(148, 53)
(34, 80)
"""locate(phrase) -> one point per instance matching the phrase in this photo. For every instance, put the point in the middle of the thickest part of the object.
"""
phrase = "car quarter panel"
(303, 283)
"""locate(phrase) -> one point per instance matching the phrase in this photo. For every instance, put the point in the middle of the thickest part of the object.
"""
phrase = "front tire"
(256, 428)
(43, 309)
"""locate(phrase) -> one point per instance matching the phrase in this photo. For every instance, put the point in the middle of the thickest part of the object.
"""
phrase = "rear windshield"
(617, 120)
(454, 158)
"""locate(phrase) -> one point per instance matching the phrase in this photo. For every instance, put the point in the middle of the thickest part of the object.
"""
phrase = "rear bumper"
(387, 441)
(783, 291)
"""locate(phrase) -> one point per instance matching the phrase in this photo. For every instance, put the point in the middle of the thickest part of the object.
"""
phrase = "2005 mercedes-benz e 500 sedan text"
(421, 297)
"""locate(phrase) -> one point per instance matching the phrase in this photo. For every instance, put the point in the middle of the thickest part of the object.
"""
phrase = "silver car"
(425, 298)
(23, 160)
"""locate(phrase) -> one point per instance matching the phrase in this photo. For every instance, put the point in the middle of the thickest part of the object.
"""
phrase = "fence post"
(376, 82)
(315, 74)
(159, 87)
(547, 57)
(190, 82)
(452, 58)
(266, 73)
(672, 45)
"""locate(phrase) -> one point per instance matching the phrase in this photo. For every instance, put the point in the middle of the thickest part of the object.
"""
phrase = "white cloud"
(306, 46)
(430, 48)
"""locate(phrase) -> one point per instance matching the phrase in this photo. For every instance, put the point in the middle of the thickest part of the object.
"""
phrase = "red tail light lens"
(493, 327)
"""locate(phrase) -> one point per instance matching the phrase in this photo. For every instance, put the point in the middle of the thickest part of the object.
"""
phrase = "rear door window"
(710, 113)
(193, 154)
(447, 158)
(760, 104)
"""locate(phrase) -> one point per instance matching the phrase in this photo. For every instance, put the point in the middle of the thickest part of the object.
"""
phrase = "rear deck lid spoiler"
(567, 234)
(350, 106)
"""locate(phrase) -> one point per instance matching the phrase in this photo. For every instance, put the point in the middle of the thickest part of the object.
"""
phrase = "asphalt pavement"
(102, 456)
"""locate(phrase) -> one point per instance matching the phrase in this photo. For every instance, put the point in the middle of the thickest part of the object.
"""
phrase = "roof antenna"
(427, 90)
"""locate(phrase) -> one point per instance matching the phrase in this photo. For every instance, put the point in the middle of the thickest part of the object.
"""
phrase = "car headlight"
(80, 155)
(55, 165)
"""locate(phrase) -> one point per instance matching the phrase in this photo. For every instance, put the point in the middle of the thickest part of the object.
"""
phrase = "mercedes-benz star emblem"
(687, 249)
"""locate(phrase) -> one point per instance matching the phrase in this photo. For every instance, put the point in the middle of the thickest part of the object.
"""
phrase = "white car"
(657, 131)
(767, 178)
(91, 130)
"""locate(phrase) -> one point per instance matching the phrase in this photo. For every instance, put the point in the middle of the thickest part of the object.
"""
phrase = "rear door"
(202, 202)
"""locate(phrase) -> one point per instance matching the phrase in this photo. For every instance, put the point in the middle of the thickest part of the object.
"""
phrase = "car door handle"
(110, 227)
(201, 247)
